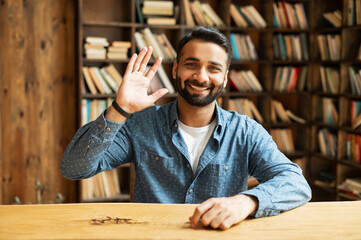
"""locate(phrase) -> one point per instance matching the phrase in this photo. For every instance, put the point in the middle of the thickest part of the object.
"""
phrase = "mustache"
(198, 84)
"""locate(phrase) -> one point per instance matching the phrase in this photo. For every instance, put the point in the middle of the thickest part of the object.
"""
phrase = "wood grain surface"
(323, 220)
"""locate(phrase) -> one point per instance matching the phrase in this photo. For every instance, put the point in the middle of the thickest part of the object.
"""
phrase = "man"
(191, 150)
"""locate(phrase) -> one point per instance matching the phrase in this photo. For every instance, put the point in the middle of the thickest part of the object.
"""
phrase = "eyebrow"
(211, 62)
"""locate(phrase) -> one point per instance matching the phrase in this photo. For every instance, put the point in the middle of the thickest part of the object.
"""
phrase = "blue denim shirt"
(238, 148)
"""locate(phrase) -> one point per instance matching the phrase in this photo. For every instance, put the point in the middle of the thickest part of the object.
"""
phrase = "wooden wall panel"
(37, 97)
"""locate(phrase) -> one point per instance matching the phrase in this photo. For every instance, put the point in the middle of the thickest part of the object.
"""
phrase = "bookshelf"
(118, 21)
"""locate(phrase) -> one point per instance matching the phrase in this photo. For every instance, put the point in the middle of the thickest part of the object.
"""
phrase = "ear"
(225, 79)
(174, 69)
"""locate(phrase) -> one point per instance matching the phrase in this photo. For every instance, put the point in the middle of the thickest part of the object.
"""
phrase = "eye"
(191, 64)
(215, 69)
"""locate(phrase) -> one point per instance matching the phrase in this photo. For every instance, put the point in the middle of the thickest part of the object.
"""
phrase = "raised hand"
(132, 94)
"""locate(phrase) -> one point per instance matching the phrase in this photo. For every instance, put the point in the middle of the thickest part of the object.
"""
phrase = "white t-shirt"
(196, 139)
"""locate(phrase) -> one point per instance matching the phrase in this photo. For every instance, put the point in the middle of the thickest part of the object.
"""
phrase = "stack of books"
(353, 12)
(327, 142)
(355, 80)
(288, 15)
(246, 107)
(92, 108)
(355, 113)
(290, 79)
(353, 148)
(334, 18)
(118, 50)
(243, 47)
(161, 48)
(103, 185)
(246, 16)
(95, 47)
(329, 111)
(290, 47)
(330, 79)
(203, 14)
(329, 46)
(351, 186)
(158, 12)
(104, 80)
(278, 112)
(159, 42)
(244, 81)
(284, 139)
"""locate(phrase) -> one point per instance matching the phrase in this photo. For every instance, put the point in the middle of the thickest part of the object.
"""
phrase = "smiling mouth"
(198, 88)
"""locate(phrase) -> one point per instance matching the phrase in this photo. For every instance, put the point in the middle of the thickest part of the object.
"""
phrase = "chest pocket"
(216, 180)
(154, 160)
(156, 169)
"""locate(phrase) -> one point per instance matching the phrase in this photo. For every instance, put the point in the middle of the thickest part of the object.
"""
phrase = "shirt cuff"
(265, 205)
(104, 128)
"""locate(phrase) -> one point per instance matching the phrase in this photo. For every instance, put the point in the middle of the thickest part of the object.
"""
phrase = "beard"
(196, 99)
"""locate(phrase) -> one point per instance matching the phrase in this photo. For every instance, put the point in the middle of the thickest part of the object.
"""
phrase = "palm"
(133, 91)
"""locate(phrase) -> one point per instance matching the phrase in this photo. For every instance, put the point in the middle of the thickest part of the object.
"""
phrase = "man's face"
(201, 73)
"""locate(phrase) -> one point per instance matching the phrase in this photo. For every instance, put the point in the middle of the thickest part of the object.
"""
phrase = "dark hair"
(207, 34)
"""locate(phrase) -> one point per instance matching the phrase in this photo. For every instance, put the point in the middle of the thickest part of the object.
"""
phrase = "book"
(161, 21)
(332, 19)
(356, 122)
(99, 77)
(157, 51)
(207, 19)
(212, 14)
(89, 80)
(113, 72)
(95, 80)
(97, 41)
(198, 17)
(188, 14)
(109, 79)
(295, 118)
(169, 46)
(237, 16)
(165, 80)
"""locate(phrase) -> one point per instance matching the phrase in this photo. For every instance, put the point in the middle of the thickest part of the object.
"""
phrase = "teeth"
(198, 88)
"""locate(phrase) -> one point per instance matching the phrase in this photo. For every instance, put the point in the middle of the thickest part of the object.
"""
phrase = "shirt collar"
(220, 114)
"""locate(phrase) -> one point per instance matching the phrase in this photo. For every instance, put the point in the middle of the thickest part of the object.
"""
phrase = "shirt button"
(176, 125)
(156, 158)
(226, 168)
(99, 126)
(188, 166)
(190, 190)
(107, 129)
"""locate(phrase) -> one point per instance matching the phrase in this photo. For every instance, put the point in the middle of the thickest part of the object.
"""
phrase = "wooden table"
(325, 220)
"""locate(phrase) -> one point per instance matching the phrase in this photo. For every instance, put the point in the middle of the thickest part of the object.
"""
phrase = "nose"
(201, 75)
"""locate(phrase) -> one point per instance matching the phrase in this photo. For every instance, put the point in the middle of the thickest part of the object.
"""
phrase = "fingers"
(150, 74)
(200, 210)
(158, 94)
(145, 60)
(140, 59)
(129, 68)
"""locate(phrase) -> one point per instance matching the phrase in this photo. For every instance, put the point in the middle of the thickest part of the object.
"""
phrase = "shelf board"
(92, 23)
(350, 163)
(291, 30)
(324, 157)
(247, 94)
(350, 130)
(86, 60)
